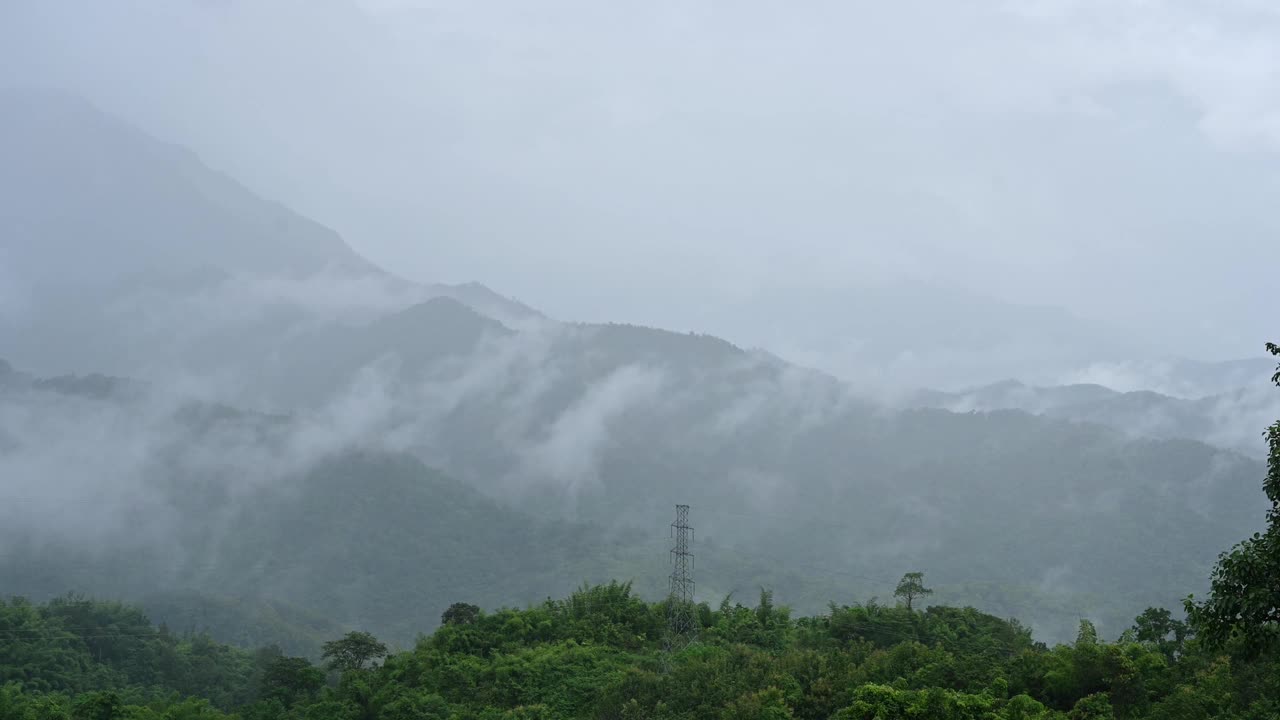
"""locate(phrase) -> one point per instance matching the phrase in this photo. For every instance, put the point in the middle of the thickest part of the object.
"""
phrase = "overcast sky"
(630, 160)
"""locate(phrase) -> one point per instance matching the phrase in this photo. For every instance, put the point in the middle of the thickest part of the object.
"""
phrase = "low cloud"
(570, 452)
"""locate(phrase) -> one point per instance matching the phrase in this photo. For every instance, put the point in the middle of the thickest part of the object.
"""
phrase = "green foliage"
(1242, 610)
(599, 654)
(460, 614)
(353, 652)
(910, 587)
(243, 621)
(767, 704)
(75, 645)
(1157, 628)
(290, 680)
(1274, 349)
(1092, 707)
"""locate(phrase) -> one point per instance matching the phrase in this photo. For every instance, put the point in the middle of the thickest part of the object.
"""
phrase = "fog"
(859, 282)
(681, 167)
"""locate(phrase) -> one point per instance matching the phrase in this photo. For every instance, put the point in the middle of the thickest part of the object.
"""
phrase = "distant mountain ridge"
(111, 241)
(879, 336)
(150, 206)
(400, 418)
(1227, 419)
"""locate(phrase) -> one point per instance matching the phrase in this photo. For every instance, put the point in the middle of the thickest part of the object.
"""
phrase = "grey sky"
(631, 160)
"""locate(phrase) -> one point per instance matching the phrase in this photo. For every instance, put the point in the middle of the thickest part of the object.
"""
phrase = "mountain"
(1012, 394)
(556, 466)
(256, 521)
(1227, 419)
(307, 368)
(1178, 377)
(72, 173)
(508, 311)
(122, 253)
(316, 434)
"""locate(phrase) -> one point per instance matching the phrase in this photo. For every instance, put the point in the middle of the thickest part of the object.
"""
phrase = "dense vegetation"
(599, 654)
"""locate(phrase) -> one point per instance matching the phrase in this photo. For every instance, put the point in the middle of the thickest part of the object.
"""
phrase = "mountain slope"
(1229, 419)
(417, 445)
(604, 426)
(122, 253)
(90, 201)
(258, 519)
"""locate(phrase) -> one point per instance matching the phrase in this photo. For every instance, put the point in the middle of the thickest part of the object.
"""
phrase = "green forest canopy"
(599, 654)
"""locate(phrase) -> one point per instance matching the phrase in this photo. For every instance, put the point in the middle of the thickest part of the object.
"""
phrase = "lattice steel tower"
(682, 619)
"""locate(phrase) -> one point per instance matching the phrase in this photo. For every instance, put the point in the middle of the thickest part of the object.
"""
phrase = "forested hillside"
(237, 419)
(603, 652)
(356, 357)
(251, 510)
(599, 654)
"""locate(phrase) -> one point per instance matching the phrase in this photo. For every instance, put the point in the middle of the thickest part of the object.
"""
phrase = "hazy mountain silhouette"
(1227, 419)
(403, 416)
(118, 249)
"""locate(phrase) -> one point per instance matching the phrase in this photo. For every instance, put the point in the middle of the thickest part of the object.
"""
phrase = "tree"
(353, 651)
(1154, 627)
(1087, 634)
(98, 706)
(460, 614)
(910, 587)
(764, 611)
(290, 679)
(1242, 610)
(767, 704)
(1274, 349)
(1092, 707)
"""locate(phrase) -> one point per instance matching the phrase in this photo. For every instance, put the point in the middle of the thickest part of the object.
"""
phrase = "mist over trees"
(950, 446)
(228, 400)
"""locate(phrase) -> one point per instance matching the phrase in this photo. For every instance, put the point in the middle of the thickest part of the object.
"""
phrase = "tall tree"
(910, 587)
(290, 680)
(353, 651)
(460, 614)
(764, 611)
(1242, 610)
(1158, 628)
